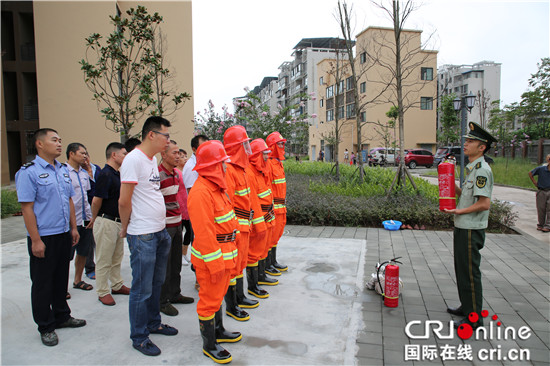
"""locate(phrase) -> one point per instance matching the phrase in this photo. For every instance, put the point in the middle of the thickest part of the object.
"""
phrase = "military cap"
(478, 133)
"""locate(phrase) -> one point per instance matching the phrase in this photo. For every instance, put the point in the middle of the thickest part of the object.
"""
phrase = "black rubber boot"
(242, 300)
(210, 346)
(222, 335)
(253, 288)
(263, 279)
(269, 268)
(279, 266)
(231, 308)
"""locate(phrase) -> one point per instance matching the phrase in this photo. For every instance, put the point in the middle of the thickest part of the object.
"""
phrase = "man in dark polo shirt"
(543, 194)
(106, 224)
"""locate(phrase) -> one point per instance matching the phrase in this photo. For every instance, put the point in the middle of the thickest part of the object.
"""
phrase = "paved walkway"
(516, 282)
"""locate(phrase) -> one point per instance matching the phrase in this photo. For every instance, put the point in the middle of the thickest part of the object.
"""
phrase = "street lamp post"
(461, 104)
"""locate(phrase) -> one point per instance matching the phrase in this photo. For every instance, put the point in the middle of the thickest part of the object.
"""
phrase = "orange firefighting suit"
(262, 204)
(214, 249)
(278, 186)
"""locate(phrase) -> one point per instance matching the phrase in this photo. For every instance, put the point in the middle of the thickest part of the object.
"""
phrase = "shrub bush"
(311, 202)
(9, 204)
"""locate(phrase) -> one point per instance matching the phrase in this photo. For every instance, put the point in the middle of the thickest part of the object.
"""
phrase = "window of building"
(349, 83)
(363, 57)
(330, 91)
(321, 103)
(330, 115)
(321, 81)
(426, 103)
(363, 87)
(350, 110)
(464, 89)
(341, 112)
(363, 116)
(340, 87)
(426, 73)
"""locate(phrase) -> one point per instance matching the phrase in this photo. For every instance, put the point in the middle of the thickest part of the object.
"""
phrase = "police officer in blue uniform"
(44, 190)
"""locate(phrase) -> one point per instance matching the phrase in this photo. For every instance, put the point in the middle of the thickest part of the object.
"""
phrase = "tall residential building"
(297, 77)
(482, 79)
(43, 86)
(375, 58)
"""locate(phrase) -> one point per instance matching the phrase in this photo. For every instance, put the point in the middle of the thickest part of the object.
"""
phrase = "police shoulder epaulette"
(25, 166)
(63, 164)
(478, 165)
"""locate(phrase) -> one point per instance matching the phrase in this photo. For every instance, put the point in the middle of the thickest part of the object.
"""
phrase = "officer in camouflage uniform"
(471, 218)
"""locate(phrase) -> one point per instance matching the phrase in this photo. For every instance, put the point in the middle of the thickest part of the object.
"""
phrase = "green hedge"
(10, 205)
(310, 201)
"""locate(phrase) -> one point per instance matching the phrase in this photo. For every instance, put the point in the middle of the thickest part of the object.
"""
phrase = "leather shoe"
(169, 309)
(148, 348)
(72, 323)
(180, 299)
(49, 339)
(456, 311)
(121, 291)
(107, 300)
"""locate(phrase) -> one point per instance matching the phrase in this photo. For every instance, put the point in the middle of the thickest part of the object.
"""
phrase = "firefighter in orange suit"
(263, 220)
(214, 249)
(276, 143)
(237, 146)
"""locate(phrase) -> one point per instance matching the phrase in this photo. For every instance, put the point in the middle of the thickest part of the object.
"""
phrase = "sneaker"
(148, 348)
(169, 309)
(72, 323)
(49, 339)
(180, 299)
(164, 329)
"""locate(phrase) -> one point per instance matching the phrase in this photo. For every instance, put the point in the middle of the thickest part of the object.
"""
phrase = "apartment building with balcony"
(43, 86)
(375, 97)
(482, 79)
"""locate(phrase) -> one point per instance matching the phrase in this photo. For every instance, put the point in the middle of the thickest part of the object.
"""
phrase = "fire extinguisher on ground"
(446, 179)
(391, 282)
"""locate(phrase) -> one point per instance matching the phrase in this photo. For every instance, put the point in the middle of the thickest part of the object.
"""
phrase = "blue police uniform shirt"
(50, 189)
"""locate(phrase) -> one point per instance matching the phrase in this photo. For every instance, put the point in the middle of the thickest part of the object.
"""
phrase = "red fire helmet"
(273, 138)
(235, 135)
(258, 146)
(210, 153)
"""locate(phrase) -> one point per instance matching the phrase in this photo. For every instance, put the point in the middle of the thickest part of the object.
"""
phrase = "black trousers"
(188, 237)
(49, 276)
(172, 284)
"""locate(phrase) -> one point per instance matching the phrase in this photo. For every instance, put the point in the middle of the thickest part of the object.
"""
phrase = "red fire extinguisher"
(391, 287)
(446, 178)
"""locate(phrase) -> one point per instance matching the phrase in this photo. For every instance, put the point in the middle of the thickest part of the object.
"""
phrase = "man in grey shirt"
(543, 194)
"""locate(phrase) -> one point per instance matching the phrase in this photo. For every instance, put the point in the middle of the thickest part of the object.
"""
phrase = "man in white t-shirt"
(143, 215)
(188, 174)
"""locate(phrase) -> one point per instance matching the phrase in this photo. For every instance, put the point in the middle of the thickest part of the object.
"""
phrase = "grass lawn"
(9, 203)
(510, 172)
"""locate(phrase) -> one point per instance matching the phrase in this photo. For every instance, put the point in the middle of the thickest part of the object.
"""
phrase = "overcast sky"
(237, 43)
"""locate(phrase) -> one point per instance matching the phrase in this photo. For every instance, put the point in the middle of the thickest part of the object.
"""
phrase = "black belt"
(115, 219)
(226, 238)
(544, 189)
(244, 214)
(279, 201)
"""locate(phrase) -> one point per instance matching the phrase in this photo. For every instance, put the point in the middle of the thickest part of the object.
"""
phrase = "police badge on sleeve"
(481, 181)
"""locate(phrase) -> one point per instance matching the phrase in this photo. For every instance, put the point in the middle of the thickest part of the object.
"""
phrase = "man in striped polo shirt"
(169, 186)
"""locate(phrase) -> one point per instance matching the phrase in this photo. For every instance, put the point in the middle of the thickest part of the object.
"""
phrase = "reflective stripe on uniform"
(256, 221)
(279, 181)
(206, 257)
(242, 192)
(225, 218)
(244, 222)
(230, 255)
(279, 206)
(264, 194)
